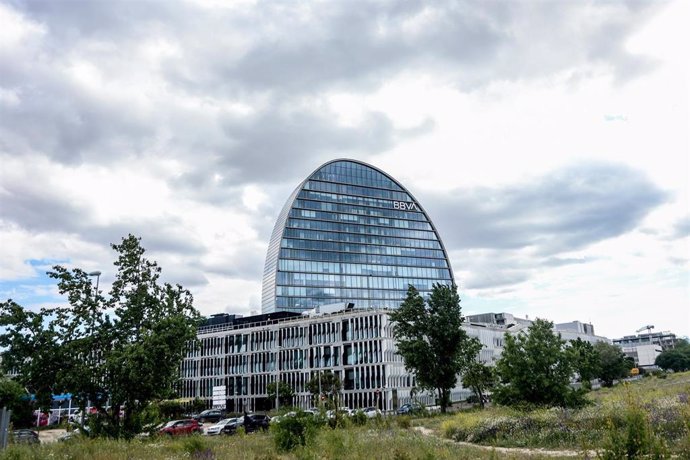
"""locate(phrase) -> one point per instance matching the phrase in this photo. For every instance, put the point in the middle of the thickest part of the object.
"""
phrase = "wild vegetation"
(650, 416)
(647, 418)
(376, 440)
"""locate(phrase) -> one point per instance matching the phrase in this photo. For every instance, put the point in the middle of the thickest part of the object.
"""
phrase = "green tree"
(613, 363)
(585, 360)
(431, 340)
(125, 348)
(479, 378)
(32, 349)
(14, 397)
(676, 359)
(325, 386)
(285, 393)
(534, 369)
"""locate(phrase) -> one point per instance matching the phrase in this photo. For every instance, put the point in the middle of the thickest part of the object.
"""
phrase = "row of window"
(299, 304)
(360, 209)
(352, 294)
(342, 281)
(360, 258)
(308, 266)
(373, 204)
(360, 248)
(354, 173)
(361, 229)
(364, 220)
(319, 235)
(345, 189)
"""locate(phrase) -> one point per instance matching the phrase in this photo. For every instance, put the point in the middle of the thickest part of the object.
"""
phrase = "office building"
(351, 233)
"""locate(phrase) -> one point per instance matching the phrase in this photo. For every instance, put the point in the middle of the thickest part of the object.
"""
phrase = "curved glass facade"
(350, 233)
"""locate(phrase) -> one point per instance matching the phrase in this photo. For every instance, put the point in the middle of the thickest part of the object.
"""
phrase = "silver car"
(225, 426)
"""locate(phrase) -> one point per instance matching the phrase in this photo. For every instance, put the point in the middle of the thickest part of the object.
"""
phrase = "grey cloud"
(186, 275)
(501, 237)
(566, 210)
(363, 47)
(38, 208)
(495, 278)
(269, 58)
(246, 263)
(273, 146)
(682, 228)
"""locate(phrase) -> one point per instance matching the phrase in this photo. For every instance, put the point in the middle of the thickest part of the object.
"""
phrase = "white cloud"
(189, 124)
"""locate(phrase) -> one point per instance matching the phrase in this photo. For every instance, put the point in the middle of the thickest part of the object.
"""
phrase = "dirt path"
(514, 450)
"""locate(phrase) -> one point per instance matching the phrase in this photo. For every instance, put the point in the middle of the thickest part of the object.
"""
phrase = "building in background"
(240, 356)
(666, 340)
(644, 348)
(351, 233)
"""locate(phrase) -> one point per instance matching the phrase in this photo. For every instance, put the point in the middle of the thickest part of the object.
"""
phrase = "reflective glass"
(350, 233)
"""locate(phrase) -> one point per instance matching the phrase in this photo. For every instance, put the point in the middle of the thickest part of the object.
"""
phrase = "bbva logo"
(404, 206)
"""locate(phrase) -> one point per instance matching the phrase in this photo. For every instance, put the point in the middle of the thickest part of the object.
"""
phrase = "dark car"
(179, 427)
(255, 422)
(25, 437)
(410, 409)
(210, 415)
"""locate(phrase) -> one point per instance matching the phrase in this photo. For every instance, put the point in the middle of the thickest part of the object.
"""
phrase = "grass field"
(657, 408)
(351, 443)
(661, 404)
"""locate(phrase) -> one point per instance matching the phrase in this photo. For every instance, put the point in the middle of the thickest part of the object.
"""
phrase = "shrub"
(291, 432)
(635, 438)
(197, 448)
(359, 418)
(404, 422)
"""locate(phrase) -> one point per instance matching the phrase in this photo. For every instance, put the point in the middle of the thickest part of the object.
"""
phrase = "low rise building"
(239, 356)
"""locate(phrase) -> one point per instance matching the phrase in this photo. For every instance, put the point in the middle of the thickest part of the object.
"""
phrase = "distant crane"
(648, 327)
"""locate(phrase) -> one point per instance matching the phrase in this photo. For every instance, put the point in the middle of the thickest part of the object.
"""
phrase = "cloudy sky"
(547, 140)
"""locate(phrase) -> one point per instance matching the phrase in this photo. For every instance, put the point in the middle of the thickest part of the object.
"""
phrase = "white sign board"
(219, 396)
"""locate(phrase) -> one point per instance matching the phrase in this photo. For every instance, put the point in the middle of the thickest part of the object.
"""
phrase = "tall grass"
(650, 416)
(372, 441)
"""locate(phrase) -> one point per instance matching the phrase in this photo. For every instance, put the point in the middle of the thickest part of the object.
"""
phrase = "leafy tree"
(585, 361)
(613, 363)
(534, 369)
(31, 348)
(325, 385)
(479, 378)
(431, 340)
(676, 359)
(285, 393)
(125, 349)
(15, 398)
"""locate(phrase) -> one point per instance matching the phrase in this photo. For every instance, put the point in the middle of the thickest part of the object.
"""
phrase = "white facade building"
(245, 354)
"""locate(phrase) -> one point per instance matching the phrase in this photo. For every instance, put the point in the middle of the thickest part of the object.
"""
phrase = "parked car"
(76, 416)
(179, 427)
(371, 412)
(210, 415)
(410, 408)
(255, 422)
(225, 426)
(25, 437)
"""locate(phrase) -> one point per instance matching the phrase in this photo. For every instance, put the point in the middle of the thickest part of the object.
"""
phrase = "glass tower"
(351, 233)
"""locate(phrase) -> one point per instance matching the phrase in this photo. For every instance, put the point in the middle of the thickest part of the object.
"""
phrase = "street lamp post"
(97, 274)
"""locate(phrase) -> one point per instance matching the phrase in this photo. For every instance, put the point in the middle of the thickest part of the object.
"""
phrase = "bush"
(635, 439)
(197, 448)
(359, 418)
(404, 422)
(291, 432)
